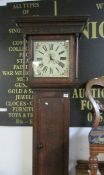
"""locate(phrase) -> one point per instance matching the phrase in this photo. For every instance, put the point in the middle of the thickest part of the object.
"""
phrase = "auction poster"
(15, 97)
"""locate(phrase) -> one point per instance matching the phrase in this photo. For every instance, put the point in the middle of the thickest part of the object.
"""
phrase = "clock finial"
(55, 7)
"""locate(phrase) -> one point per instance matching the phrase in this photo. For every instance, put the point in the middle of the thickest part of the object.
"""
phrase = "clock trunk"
(51, 133)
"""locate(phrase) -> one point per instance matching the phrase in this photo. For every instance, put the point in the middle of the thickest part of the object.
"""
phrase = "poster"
(15, 97)
(91, 58)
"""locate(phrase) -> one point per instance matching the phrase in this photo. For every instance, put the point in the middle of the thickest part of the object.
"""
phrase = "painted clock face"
(51, 58)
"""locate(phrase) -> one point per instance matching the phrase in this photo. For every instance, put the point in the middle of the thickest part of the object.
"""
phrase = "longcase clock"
(51, 64)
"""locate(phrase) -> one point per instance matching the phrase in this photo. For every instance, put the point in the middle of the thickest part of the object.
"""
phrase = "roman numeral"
(39, 59)
(57, 48)
(51, 70)
(41, 65)
(57, 69)
(51, 46)
(45, 68)
(61, 52)
(41, 52)
(61, 64)
(62, 58)
(45, 48)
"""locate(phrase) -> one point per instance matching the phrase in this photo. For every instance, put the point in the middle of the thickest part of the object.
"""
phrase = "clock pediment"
(52, 24)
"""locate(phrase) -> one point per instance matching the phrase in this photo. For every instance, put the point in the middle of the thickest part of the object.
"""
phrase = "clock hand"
(61, 64)
(51, 59)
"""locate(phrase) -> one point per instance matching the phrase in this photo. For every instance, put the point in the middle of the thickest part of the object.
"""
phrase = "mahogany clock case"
(51, 100)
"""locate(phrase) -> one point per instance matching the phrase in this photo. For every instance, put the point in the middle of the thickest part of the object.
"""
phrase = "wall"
(16, 149)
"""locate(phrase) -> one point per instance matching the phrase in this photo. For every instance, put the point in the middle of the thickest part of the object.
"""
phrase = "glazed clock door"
(51, 133)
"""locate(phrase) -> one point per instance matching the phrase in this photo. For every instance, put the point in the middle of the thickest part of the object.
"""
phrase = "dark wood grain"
(50, 133)
(95, 148)
(53, 28)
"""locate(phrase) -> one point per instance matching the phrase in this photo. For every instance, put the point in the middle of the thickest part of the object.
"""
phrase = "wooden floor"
(82, 167)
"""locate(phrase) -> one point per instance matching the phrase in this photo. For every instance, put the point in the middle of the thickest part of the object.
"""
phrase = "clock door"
(51, 151)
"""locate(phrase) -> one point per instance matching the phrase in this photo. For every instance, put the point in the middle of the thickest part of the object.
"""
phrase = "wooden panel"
(82, 167)
(51, 152)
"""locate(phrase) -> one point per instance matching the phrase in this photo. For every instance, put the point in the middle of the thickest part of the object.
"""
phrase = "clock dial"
(51, 58)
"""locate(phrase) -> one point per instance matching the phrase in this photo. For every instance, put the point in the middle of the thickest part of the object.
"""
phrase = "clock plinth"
(51, 48)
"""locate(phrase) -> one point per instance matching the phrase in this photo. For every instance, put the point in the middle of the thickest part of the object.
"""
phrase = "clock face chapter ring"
(51, 58)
